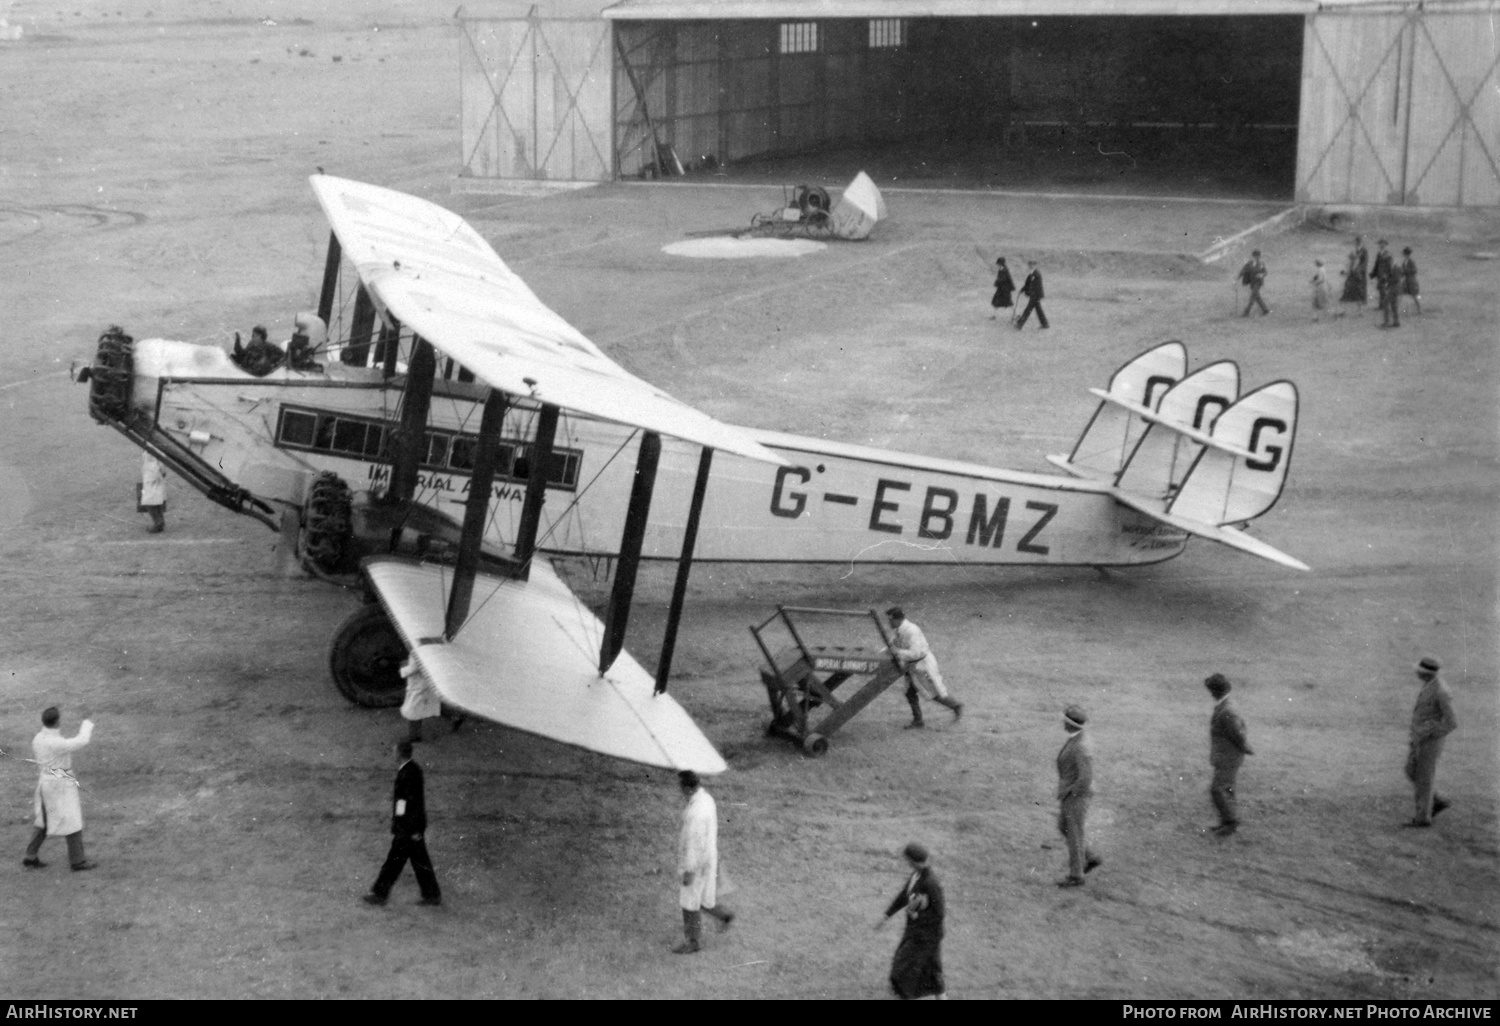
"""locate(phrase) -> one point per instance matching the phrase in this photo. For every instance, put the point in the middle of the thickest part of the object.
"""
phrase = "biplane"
(459, 433)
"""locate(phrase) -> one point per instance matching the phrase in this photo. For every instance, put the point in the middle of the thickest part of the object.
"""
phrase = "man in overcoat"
(1388, 281)
(917, 967)
(1432, 720)
(1227, 747)
(59, 813)
(1075, 785)
(408, 834)
(698, 864)
(1032, 289)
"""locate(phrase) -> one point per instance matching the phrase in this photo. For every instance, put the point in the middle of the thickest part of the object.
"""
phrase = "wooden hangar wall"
(1401, 106)
(1392, 104)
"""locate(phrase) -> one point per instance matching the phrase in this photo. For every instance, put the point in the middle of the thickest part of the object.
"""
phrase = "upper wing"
(528, 659)
(439, 277)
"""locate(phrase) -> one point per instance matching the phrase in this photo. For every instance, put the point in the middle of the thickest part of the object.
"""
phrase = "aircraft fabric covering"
(527, 659)
(858, 210)
(440, 278)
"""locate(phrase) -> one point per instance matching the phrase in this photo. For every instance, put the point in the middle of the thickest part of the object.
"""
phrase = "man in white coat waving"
(698, 864)
(58, 812)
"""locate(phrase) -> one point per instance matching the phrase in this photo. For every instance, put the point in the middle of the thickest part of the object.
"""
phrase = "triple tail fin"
(1114, 431)
(1163, 456)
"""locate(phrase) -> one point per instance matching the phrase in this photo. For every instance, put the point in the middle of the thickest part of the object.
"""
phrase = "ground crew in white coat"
(153, 498)
(58, 811)
(422, 701)
(698, 864)
(910, 646)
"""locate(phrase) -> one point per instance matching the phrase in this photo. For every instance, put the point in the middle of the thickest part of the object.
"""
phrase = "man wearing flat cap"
(909, 646)
(1432, 720)
(917, 967)
(698, 864)
(1227, 747)
(1075, 784)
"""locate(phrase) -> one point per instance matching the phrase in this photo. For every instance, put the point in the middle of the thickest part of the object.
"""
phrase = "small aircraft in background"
(460, 429)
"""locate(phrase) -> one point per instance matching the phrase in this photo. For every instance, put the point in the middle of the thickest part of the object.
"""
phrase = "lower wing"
(528, 659)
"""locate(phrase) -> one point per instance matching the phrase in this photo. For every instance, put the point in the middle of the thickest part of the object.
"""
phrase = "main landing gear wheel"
(366, 659)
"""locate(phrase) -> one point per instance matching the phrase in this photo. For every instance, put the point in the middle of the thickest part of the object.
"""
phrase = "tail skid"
(1188, 450)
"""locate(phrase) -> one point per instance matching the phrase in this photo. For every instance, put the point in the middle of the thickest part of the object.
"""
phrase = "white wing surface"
(439, 277)
(528, 659)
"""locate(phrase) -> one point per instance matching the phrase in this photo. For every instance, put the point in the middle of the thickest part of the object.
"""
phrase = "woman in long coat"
(1356, 285)
(1005, 287)
(917, 968)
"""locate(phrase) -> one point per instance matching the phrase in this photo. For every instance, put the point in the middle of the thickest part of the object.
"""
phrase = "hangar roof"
(808, 10)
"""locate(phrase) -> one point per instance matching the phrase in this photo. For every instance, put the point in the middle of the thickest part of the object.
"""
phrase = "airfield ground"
(152, 174)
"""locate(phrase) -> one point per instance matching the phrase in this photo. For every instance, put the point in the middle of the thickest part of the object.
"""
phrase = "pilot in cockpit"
(260, 357)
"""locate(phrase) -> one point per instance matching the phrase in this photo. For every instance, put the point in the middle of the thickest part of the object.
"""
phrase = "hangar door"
(1400, 108)
(534, 98)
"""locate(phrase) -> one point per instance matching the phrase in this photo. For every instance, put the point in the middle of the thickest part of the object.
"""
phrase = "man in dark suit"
(408, 835)
(1227, 748)
(1075, 785)
(1253, 274)
(1031, 288)
(1388, 281)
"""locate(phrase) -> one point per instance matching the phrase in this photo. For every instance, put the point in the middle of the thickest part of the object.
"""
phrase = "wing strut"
(411, 443)
(476, 511)
(356, 351)
(684, 567)
(536, 489)
(389, 347)
(618, 614)
(330, 278)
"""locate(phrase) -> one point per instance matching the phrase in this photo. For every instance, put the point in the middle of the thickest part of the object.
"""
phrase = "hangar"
(1341, 101)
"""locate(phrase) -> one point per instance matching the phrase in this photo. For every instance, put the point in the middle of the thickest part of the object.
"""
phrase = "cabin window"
(799, 37)
(461, 455)
(885, 33)
(297, 428)
(367, 440)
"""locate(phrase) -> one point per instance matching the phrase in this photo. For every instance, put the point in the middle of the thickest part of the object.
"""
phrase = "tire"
(365, 659)
(815, 745)
(819, 225)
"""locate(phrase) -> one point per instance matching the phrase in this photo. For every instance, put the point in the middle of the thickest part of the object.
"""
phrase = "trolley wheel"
(819, 225)
(815, 745)
(365, 659)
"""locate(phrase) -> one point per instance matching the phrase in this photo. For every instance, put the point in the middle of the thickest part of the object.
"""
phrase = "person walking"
(1004, 287)
(1432, 720)
(1227, 747)
(408, 835)
(909, 646)
(59, 813)
(1032, 289)
(152, 497)
(1253, 274)
(1387, 281)
(698, 864)
(1409, 284)
(1319, 290)
(917, 966)
(1075, 785)
(1355, 272)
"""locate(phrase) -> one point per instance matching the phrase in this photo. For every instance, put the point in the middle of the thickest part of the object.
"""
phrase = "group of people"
(1031, 288)
(916, 968)
(262, 356)
(1393, 281)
